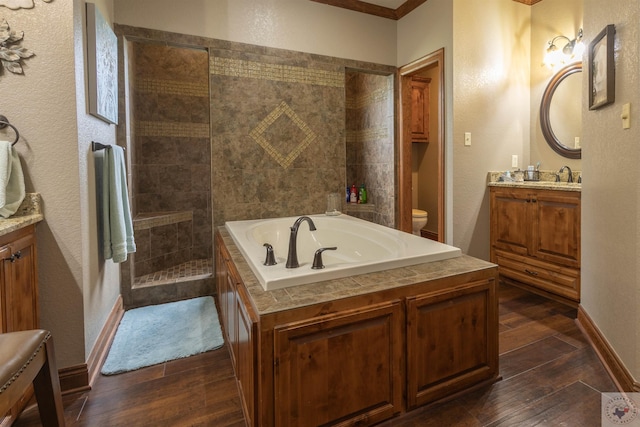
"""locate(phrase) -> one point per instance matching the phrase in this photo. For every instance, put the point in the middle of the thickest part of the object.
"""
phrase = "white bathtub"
(363, 247)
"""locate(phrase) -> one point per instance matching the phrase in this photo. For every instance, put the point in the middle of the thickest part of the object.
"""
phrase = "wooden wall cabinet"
(18, 293)
(348, 362)
(420, 109)
(535, 240)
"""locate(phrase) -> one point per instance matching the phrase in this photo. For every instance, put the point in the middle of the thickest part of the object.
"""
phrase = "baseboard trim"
(433, 235)
(103, 342)
(74, 379)
(615, 367)
(80, 378)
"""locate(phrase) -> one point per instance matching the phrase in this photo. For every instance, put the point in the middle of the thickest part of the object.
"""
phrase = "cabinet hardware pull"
(533, 273)
(14, 257)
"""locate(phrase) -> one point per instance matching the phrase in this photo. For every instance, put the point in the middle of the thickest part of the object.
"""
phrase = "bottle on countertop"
(348, 194)
(362, 195)
(353, 198)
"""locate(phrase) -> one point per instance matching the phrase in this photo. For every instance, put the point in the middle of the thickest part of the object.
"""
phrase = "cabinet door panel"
(420, 110)
(343, 368)
(21, 291)
(246, 355)
(441, 362)
(557, 230)
(510, 222)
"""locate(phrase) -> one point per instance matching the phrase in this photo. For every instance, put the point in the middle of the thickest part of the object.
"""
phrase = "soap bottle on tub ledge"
(362, 195)
(353, 197)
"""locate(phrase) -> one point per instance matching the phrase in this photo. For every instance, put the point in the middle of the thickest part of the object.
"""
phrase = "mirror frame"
(545, 121)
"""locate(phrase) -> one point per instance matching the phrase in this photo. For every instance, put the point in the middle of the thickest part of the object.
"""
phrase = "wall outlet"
(514, 161)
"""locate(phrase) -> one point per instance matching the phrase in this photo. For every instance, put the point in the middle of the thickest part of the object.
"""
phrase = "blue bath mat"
(159, 333)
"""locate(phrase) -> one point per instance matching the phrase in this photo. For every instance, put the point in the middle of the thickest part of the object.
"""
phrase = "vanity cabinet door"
(452, 341)
(18, 294)
(556, 229)
(19, 281)
(510, 219)
(342, 368)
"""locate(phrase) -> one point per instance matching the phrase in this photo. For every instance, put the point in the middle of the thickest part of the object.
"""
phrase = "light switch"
(467, 139)
(626, 116)
(576, 142)
(514, 161)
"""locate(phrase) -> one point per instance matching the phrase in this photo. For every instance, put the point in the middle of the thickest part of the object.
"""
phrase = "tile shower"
(224, 131)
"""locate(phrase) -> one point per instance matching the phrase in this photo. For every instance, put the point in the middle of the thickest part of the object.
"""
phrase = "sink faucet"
(292, 257)
(570, 179)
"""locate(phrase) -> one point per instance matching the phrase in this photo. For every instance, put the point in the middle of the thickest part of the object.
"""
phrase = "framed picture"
(602, 82)
(102, 66)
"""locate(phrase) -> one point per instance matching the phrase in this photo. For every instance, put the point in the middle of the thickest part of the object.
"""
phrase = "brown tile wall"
(277, 130)
(370, 143)
(171, 171)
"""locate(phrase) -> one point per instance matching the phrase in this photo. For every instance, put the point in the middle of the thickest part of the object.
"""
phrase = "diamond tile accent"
(258, 131)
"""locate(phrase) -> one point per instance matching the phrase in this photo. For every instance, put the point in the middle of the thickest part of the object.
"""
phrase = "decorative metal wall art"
(11, 52)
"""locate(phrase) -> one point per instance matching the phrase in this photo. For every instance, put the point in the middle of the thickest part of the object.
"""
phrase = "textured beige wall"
(303, 26)
(611, 201)
(549, 19)
(490, 100)
(425, 30)
(47, 104)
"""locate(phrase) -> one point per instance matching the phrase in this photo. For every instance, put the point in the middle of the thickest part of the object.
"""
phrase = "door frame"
(405, 73)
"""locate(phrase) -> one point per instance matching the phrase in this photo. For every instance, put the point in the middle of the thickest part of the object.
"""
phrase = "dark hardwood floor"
(550, 377)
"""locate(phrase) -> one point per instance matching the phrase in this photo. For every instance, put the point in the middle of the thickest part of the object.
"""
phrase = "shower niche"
(166, 93)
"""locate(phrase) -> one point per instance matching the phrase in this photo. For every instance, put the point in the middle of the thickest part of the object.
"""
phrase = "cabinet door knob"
(14, 257)
(533, 273)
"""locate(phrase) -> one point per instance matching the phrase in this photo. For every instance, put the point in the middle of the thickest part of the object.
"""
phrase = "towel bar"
(96, 146)
(4, 122)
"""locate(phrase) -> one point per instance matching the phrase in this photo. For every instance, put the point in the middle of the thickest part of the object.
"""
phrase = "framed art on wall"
(102, 66)
(601, 69)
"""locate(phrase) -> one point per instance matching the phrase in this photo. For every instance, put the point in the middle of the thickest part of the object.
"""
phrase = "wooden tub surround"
(359, 350)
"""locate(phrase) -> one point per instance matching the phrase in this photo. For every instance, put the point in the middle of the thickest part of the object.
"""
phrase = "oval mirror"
(561, 112)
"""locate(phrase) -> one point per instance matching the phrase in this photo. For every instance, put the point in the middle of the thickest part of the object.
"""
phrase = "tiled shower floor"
(190, 270)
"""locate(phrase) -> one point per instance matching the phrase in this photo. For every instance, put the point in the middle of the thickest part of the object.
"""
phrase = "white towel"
(117, 225)
(11, 180)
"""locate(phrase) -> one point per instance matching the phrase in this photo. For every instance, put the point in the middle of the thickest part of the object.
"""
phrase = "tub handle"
(271, 259)
(317, 258)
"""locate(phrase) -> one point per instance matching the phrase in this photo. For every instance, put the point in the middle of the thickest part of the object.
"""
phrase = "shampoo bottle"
(354, 194)
(363, 194)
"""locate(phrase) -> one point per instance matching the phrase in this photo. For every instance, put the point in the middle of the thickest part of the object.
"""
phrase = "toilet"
(420, 219)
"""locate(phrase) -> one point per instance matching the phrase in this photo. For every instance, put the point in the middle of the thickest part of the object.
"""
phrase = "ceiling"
(391, 9)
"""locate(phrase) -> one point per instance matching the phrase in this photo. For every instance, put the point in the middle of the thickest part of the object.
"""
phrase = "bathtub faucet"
(292, 257)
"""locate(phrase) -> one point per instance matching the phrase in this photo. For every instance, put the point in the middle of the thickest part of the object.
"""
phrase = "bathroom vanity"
(357, 350)
(535, 237)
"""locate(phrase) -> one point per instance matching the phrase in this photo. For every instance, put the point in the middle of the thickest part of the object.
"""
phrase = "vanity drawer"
(547, 276)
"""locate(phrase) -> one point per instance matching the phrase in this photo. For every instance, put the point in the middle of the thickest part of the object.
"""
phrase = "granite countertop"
(299, 296)
(547, 182)
(29, 212)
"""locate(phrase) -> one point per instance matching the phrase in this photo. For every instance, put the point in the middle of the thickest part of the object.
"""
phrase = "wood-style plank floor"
(550, 377)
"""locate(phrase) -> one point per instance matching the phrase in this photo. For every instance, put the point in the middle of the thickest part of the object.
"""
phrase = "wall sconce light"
(571, 51)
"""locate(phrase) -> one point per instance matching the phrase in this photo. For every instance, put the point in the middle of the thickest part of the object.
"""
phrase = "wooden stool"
(27, 357)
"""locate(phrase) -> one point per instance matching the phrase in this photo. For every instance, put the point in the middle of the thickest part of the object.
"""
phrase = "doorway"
(422, 162)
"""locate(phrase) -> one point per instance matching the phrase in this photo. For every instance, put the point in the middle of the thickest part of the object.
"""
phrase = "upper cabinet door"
(420, 109)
